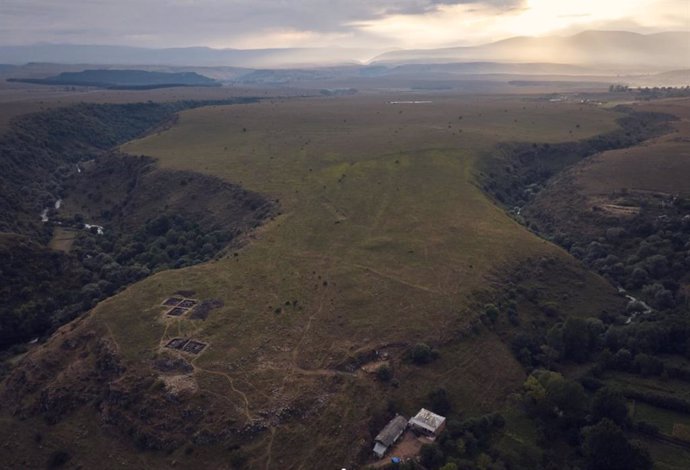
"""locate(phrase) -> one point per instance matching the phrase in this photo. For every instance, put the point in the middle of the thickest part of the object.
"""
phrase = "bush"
(491, 311)
(431, 456)
(58, 459)
(384, 373)
(421, 353)
(611, 404)
(606, 448)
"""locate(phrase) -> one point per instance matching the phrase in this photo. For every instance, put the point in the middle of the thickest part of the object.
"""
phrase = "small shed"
(389, 435)
(428, 423)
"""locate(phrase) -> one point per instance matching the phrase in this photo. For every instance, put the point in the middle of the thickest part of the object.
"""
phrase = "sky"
(364, 24)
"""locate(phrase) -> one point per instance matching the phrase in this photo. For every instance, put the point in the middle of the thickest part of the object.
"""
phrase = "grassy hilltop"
(384, 241)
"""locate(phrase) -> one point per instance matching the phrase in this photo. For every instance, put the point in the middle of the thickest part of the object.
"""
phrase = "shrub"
(58, 459)
(421, 353)
(384, 373)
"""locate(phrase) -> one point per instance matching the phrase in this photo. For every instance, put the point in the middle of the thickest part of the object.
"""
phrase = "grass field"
(63, 239)
(666, 456)
(663, 419)
(384, 240)
(658, 166)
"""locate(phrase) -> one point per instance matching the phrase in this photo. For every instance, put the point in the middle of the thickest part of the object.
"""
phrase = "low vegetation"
(43, 289)
(387, 254)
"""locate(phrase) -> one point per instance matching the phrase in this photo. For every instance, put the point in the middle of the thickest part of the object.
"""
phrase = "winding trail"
(231, 381)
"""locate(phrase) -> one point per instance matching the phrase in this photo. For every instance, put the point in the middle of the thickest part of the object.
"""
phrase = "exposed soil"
(407, 448)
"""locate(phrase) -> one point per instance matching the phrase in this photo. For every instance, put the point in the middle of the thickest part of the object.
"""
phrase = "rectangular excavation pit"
(172, 301)
(177, 311)
(187, 303)
(194, 347)
(177, 343)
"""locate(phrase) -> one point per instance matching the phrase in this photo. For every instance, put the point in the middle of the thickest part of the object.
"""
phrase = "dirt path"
(397, 279)
(231, 381)
(269, 449)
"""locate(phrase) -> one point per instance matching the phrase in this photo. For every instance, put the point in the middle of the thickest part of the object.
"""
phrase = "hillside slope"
(385, 242)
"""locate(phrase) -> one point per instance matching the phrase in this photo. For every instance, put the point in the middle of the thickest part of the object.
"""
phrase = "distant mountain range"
(591, 48)
(123, 79)
(184, 56)
(609, 50)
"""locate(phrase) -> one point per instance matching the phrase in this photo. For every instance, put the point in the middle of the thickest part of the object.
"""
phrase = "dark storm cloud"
(186, 22)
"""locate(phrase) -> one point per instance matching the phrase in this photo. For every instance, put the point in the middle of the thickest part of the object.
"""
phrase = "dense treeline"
(654, 93)
(42, 289)
(517, 171)
(649, 254)
(40, 150)
(36, 284)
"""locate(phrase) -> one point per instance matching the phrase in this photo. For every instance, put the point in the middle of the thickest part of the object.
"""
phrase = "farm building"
(389, 435)
(428, 423)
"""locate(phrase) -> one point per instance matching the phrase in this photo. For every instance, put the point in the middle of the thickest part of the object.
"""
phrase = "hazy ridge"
(612, 50)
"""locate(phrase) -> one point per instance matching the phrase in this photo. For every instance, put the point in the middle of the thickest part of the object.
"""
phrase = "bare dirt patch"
(203, 310)
(407, 448)
(180, 384)
(372, 367)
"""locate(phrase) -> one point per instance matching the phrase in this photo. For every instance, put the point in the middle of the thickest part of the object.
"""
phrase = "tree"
(384, 373)
(609, 403)
(491, 311)
(648, 365)
(606, 448)
(576, 339)
(431, 456)
(421, 353)
(567, 398)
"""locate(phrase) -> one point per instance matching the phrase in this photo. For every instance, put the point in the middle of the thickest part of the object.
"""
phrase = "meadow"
(384, 241)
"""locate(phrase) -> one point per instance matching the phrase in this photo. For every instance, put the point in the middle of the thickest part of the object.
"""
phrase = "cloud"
(284, 23)
(185, 22)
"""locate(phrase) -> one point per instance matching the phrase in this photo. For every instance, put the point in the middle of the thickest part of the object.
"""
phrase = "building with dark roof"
(389, 435)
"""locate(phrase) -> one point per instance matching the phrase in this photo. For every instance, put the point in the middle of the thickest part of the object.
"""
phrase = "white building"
(428, 423)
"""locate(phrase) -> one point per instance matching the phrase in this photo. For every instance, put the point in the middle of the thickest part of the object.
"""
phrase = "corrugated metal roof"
(392, 431)
(428, 420)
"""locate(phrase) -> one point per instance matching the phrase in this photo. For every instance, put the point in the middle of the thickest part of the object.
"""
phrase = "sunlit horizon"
(347, 24)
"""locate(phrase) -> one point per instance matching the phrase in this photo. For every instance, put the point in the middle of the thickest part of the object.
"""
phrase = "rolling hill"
(605, 49)
(184, 56)
(122, 79)
(383, 242)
